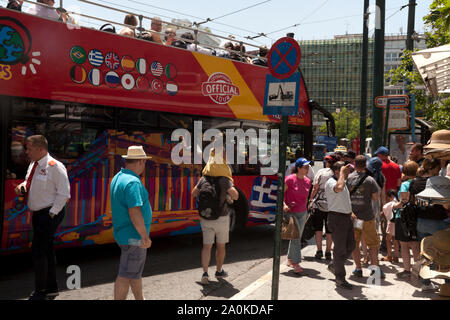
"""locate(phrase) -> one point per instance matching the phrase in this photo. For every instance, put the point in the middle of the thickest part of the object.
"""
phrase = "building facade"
(332, 71)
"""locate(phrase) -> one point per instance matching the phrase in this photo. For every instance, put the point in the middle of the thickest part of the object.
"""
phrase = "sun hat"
(301, 162)
(136, 153)
(439, 140)
(437, 249)
(437, 187)
(382, 150)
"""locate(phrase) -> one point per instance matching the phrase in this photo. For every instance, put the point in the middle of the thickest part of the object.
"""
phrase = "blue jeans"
(295, 245)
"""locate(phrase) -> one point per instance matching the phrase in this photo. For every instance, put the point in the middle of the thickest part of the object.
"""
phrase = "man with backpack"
(214, 191)
(363, 189)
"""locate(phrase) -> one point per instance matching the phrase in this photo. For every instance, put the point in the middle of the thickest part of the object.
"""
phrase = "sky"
(313, 20)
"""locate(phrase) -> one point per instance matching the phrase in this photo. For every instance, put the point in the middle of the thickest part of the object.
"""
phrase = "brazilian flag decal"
(171, 71)
(78, 54)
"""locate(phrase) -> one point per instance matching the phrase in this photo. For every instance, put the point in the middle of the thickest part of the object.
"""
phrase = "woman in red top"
(296, 192)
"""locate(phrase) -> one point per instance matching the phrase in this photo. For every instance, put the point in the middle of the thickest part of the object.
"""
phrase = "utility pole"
(378, 70)
(410, 46)
(365, 52)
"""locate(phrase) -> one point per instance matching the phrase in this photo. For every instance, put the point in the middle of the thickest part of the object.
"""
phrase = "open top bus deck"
(93, 94)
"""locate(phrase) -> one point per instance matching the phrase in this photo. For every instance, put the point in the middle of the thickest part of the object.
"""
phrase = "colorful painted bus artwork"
(88, 218)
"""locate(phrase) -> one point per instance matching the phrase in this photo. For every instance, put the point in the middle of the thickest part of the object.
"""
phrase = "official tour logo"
(220, 88)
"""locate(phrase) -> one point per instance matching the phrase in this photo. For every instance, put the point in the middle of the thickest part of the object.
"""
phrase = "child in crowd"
(390, 231)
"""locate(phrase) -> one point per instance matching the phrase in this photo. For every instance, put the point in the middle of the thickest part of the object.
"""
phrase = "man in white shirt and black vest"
(46, 189)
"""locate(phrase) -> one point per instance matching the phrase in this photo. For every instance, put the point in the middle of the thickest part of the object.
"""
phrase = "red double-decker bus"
(93, 94)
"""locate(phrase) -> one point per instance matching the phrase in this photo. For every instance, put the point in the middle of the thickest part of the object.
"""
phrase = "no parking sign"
(282, 85)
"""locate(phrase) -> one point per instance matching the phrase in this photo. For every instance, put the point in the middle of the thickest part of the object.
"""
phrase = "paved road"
(172, 270)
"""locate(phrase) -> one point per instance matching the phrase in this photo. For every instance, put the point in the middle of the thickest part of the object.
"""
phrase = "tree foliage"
(347, 124)
(437, 24)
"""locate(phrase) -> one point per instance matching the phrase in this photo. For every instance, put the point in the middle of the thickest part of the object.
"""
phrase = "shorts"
(218, 229)
(391, 229)
(132, 261)
(369, 230)
(319, 218)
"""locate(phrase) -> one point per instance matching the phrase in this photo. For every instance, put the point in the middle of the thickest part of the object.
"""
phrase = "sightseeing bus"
(92, 94)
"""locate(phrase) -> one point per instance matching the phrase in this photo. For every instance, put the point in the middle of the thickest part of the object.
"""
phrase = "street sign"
(398, 119)
(281, 95)
(396, 101)
(283, 58)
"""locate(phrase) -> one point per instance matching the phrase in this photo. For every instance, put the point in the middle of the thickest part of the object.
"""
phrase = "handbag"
(289, 229)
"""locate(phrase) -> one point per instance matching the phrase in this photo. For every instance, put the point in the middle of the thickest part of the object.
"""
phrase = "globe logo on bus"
(219, 88)
(15, 45)
(11, 45)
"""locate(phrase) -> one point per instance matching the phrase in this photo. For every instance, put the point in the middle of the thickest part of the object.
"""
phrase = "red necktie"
(28, 185)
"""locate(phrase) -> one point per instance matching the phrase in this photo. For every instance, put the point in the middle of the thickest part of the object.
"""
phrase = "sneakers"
(205, 278)
(358, 273)
(431, 287)
(343, 284)
(327, 255)
(222, 274)
(319, 255)
(404, 274)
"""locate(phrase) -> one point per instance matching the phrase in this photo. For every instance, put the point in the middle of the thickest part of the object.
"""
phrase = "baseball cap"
(301, 162)
(382, 150)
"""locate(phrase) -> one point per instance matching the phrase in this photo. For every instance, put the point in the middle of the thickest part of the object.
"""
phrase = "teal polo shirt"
(127, 191)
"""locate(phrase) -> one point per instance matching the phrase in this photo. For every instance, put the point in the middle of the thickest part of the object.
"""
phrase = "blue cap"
(382, 150)
(301, 162)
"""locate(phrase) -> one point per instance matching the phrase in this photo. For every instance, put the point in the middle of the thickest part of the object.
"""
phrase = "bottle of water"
(135, 242)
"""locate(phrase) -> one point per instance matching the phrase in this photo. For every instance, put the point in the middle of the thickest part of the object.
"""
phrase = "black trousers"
(343, 234)
(44, 228)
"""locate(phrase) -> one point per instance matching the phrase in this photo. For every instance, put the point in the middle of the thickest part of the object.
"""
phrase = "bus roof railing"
(194, 30)
(141, 29)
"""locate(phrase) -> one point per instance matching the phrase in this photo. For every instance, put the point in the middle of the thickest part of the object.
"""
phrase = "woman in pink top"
(296, 193)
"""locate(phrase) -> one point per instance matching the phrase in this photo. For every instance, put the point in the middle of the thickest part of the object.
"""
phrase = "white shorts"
(218, 229)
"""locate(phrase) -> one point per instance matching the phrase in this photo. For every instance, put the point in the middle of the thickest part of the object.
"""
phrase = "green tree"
(437, 24)
(347, 124)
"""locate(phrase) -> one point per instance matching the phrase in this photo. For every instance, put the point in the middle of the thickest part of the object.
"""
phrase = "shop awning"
(434, 68)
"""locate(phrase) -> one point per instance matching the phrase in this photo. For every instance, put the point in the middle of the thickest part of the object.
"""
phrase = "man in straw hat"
(132, 216)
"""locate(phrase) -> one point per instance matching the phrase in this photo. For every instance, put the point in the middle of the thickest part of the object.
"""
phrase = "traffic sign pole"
(386, 122)
(279, 215)
(282, 61)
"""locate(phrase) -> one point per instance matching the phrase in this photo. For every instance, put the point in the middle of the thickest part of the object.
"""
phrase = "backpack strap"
(361, 181)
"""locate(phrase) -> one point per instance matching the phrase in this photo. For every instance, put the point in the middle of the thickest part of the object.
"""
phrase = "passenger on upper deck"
(156, 28)
(131, 21)
(228, 46)
(44, 11)
(261, 60)
(191, 44)
(170, 36)
(15, 5)
(237, 56)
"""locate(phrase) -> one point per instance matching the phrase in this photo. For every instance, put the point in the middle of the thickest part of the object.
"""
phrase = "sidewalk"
(317, 283)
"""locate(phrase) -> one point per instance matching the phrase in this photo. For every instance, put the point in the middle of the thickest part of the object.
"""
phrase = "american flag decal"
(156, 69)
